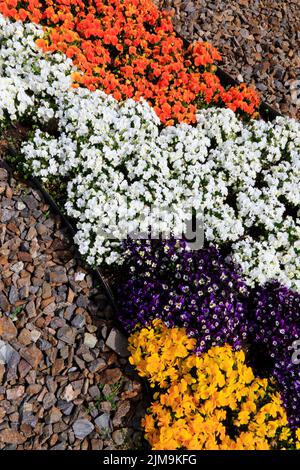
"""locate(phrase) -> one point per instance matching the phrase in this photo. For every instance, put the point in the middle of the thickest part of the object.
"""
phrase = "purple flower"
(199, 290)
(274, 326)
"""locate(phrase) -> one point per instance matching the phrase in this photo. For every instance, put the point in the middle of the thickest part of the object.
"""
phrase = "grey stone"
(49, 400)
(82, 428)
(94, 392)
(8, 355)
(69, 312)
(65, 407)
(12, 366)
(20, 205)
(78, 321)
(66, 334)
(60, 446)
(119, 436)
(17, 267)
(6, 215)
(13, 295)
(29, 418)
(118, 343)
(57, 275)
(97, 365)
(57, 323)
(44, 345)
(4, 304)
(82, 301)
(31, 202)
(103, 422)
(30, 309)
(3, 174)
(90, 340)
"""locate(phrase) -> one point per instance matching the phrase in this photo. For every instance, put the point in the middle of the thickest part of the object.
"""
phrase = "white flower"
(123, 170)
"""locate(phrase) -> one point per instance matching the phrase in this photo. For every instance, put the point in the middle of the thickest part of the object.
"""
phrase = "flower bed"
(275, 325)
(198, 290)
(207, 402)
(129, 49)
(243, 176)
(117, 156)
(204, 293)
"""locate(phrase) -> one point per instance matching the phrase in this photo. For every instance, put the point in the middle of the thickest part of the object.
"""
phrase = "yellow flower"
(285, 434)
(243, 418)
(201, 402)
(298, 439)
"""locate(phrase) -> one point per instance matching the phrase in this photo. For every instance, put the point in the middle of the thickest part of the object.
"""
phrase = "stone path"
(65, 382)
(259, 41)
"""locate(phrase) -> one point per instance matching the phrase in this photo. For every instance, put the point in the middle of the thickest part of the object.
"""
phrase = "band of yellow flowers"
(212, 401)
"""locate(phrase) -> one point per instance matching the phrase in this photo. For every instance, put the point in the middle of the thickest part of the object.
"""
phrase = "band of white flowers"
(245, 178)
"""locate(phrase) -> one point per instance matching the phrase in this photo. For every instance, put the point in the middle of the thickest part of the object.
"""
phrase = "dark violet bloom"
(275, 325)
(199, 290)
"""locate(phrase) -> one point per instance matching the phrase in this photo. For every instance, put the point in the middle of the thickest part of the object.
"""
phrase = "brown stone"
(47, 302)
(46, 291)
(54, 415)
(33, 389)
(31, 234)
(14, 417)
(121, 412)
(97, 365)
(69, 393)
(3, 260)
(66, 334)
(96, 444)
(15, 393)
(2, 413)
(12, 227)
(9, 436)
(111, 376)
(2, 372)
(58, 366)
(26, 429)
(24, 256)
(49, 390)
(24, 281)
(24, 337)
(8, 331)
(50, 309)
(71, 296)
(132, 392)
(4, 303)
(53, 440)
(41, 229)
(30, 309)
(23, 368)
(57, 275)
(32, 355)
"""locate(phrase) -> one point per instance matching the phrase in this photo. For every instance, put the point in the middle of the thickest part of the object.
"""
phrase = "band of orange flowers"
(129, 49)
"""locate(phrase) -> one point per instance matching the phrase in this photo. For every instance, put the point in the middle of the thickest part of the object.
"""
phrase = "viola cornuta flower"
(198, 290)
(275, 325)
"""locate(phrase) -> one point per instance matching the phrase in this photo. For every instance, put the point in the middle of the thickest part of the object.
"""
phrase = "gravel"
(259, 41)
(61, 385)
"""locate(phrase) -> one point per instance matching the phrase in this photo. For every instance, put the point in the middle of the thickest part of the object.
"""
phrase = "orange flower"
(129, 48)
